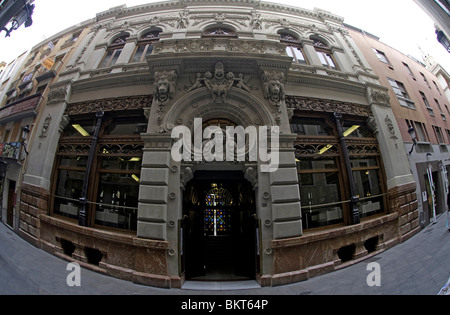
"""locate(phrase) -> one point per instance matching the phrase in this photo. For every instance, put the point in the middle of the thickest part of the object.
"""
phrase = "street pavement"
(419, 266)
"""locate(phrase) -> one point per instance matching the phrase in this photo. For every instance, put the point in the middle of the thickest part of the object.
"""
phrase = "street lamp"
(412, 133)
(443, 40)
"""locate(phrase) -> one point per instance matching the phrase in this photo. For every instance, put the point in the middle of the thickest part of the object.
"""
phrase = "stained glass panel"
(217, 212)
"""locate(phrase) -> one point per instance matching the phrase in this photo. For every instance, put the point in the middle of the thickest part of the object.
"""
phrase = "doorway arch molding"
(240, 107)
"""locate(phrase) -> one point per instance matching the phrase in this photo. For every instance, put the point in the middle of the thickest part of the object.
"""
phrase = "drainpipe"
(354, 198)
(82, 217)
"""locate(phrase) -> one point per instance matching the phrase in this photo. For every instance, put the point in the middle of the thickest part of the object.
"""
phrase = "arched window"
(293, 48)
(324, 53)
(145, 46)
(113, 51)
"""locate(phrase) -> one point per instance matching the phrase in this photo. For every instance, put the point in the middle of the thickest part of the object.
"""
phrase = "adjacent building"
(101, 184)
(422, 112)
(23, 95)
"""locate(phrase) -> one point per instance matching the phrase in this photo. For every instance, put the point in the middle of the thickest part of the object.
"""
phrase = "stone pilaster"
(154, 190)
(285, 194)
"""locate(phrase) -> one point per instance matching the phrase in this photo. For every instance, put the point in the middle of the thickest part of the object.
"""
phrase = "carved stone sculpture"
(165, 86)
(274, 87)
(219, 83)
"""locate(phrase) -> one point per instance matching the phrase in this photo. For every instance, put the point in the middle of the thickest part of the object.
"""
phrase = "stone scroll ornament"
(164, 89)
(274, 90)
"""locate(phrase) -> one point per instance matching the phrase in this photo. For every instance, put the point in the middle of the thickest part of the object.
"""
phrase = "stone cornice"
(123, 11)
(333, 79)
(107, 79)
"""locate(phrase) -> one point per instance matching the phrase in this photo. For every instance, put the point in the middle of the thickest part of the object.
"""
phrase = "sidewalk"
(419, 266)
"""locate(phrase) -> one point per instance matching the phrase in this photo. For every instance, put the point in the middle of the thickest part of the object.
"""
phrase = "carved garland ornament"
(110, 104)
(328, 106)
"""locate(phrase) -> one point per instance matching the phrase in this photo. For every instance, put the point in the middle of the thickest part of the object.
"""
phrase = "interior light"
(81, 130)
(350, 130)
(346, 134)
(135, 159)
(135, 177)
(325, 149)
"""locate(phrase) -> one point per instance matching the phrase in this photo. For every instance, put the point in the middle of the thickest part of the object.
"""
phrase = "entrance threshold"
(220, 285)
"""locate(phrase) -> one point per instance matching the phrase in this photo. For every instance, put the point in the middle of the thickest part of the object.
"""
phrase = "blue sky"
(401, 23)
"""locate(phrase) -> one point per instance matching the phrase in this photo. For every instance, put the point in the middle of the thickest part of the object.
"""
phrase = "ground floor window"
(112, 187)
(324, 183)
(320, 191)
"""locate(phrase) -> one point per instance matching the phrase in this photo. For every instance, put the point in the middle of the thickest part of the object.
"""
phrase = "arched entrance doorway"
(219, 227)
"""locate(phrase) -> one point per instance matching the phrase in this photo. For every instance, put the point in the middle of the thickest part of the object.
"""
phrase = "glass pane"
(115, 57)
(368, 189)
(122, 163)
(73, 161)
(135, 127)
(79, 129)
(138, 54)
(106, 59)
(320, 201)
(217, 221)
(149, 49)
(322, 58)
(357, 129)
(310, 127)
(217, 216)
(299, 55)
(330, 61)
(363, 162)
(68, 191)
(117, 200)
(367, 183)
(289, 52)
(316, 164)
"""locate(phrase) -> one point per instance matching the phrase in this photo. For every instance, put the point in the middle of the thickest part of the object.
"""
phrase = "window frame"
(126, 146)
(293, 45)
(381, 56)
(146, 42)
(401, 93)
(113, 52)
(315, 147)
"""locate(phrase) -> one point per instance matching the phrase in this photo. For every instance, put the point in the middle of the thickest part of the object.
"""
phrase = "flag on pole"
(47, 63)
(51, 45)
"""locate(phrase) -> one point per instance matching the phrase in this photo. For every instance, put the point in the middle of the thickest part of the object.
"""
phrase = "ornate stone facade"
(223, 62)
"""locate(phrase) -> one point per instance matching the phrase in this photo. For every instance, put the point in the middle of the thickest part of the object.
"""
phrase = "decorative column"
(83, 199)
(354, 199)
